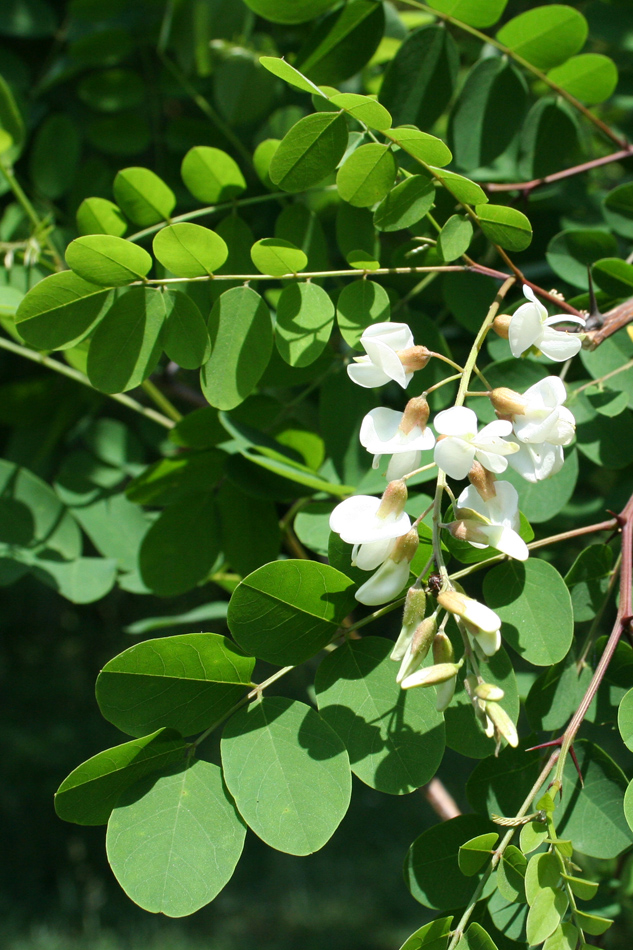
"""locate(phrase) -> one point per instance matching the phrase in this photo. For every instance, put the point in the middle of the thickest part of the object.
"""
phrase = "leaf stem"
(161, 400)
(40, 228)
(525, 187)
(78, 377)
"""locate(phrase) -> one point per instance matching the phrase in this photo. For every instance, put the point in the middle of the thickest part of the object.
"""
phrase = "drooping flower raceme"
(491, 521)
(403, 435)
(530, 325)
(462, 443)
(391, 354)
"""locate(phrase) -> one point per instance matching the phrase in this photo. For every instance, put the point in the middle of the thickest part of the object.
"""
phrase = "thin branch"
(525, 187)
(40, 228)
(308, 275)
(440, 800)
(78, 377)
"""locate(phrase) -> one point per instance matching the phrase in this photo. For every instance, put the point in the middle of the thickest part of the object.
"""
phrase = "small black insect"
(434, 584)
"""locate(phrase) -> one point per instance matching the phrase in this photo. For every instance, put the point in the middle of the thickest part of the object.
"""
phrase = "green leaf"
(545, 914)
(556, 694)
(570, 252)
(420, 79)
(277, 257)
(364, 109)
(250, 529)
(112, 90)
(545, 36)
(431, 868)
(507, 227)
(309, 152)
(583, 889)
(395, 738)
(185, 336)
(367, 175)
(473, 854)
(591, 923)
(549, 138)
(143, 196)
(243, 91)
(564, 937)
(594, 819)
(433, 936)
(455, 237)
(211, 175)
(302, 227)
(360, 304)
(12, 133)
(55, 156)
(288, 772)
(262, 157)
(473, 12)
(171, 479)
(425, 148)
(242, 342)
(205, 613)
(181, 546)
(611, 354)
(590, 77)
(606, 442)
(305, 316)
(126, 345)
(81, 581)
(107, 259)
(535, 607)
(343, 42)
(543, 871)
(173, 842)
(511, 874)
(189, 250)
(61, 310)
(185, 682)
(614, 276)
(287, 611)
(289, 11)
(200, 429)
(588, 580)
(625, 719)
(463, 189)
(488, 112)
(355, 231)
(282, 69)
(476, 938)
(618, 210)
(88, 795)
(500, 784)
(405, 204)
(100, 216)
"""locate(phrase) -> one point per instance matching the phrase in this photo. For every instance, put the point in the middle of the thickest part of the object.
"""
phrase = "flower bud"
(412, 615)
(431, 675)
(418, 648)
(483, 481)
(501, 325)
(406, 546)
(477, 616)
(507, 402)
(414, 358)
(444, 694)
(443, 649)
(416, 413)
(489, 692)
(502, 723)
(393, 500)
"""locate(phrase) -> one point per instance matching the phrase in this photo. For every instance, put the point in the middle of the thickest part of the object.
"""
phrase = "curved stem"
(525, 187)
(38, 225)
(161, 400)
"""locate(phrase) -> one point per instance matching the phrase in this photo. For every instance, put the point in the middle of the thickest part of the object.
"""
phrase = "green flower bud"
(502, 723)
(489, 692)
(413, 613)
(418, 648)
(443, 649)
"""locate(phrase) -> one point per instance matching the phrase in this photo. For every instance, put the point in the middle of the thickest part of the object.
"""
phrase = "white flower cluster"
(529, 434)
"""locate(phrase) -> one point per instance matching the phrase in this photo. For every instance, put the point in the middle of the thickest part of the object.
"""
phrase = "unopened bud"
(406, 546)
(444, 694)
(489, 692)
(431, 675)
(443, 649)
(501, 325)
(468, 529)
(507, 402)
(393, 500)
(413, 613)
(478, 617)
(414, 358)
(483, 480)
(418, 648)
(502, 723)
(416, 413)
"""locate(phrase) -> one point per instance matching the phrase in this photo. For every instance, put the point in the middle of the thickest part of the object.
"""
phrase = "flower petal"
(454, 456)
(494, 429)
(377, 429)
(402, 463)
(367, 375)
(536, 462)
(370, 556)
(526, 327)
(549, 392)
(385, 584)
(397, 336)
(564, 318)
(385, 357)
(558, 345)
(458, 421)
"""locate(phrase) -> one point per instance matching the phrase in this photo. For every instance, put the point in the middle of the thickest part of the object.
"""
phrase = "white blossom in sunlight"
(539, 414)
(403, 435)
(363, 519)
(481, 623)
(462, 444)
(530, 325)
(537, 462)
(492, 521)
(393, 573)
(391, 355)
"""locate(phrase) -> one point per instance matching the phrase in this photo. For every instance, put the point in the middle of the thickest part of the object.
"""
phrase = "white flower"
(500, 524)
(358, 521)
(381, 433)
(545, 418)
(455, 453)
(536, 462)
(391, 354)
(479, 621)
(370, 555)
(531, 326)
(393, 573)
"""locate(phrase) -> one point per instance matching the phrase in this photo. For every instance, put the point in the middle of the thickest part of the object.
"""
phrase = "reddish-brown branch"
(440, 800)
(526, 187)
(612, 321)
